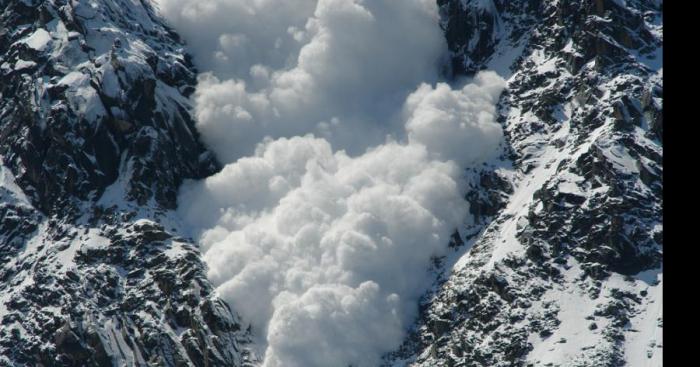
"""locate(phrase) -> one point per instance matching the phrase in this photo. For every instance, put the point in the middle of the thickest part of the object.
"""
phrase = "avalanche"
(339, 186)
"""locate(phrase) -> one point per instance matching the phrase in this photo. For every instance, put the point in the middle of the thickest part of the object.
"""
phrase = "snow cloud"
(353, 63)
(456, 124)
(344, 160)
(324, 253)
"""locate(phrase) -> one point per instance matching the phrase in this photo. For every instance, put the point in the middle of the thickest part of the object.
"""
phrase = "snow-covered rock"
(565, 268)
(95, 138)
(561, 267)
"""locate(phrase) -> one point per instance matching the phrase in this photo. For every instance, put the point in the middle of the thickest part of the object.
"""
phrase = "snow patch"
(38, 40)
(24, 64)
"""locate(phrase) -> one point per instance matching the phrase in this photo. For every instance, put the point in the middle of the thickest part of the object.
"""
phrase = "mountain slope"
(563, 266)
(566, 269)
(96, 138)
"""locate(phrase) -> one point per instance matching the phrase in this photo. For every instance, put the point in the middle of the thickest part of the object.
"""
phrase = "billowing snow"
(339, 186)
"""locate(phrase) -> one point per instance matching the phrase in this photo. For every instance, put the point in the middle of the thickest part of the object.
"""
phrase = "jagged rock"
(96, 135)
(579, 210)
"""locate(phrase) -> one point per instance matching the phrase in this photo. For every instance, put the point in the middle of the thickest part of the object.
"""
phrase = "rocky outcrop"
(95, 139)
(92, 91)
(565, 269)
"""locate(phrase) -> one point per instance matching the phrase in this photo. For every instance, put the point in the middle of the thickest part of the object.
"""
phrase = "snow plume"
(355, 62)
(344, 166)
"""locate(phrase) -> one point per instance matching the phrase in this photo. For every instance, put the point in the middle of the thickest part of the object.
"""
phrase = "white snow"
(644, 339)
(72, 79)
(643, 343)
(24, 64)
(10, 193)
(82, 96)
(92, 240)
(38, 40)
(322, 242)
(519, 202)
(574, 305)
(547, 66)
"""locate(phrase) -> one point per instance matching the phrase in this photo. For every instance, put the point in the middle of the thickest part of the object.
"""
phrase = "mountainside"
(566, 266)
(96, 138)
(563, 266)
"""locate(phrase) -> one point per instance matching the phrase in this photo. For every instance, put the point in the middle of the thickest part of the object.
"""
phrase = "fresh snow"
(644, 339)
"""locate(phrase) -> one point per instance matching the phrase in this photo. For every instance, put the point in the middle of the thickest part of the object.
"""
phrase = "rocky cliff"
(564, 268)
(95, 138)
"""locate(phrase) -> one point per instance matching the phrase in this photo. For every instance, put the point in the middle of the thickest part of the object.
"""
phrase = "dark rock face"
(571, 220)
(95, 138)
(603, 203)
(475, 29)
(103, 95)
